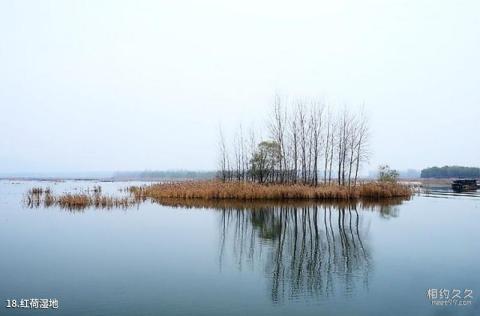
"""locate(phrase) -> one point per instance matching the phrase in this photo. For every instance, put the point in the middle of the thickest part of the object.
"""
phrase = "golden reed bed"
(193, 192)
(37, 197)
(246, 191)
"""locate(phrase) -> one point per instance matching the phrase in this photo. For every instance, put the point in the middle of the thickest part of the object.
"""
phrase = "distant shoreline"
(421, 181)
(55, 179)
(147, 176)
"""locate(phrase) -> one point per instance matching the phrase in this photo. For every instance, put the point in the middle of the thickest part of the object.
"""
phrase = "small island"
(310, 152)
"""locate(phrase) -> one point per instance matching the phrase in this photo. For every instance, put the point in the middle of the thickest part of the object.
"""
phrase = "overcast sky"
(134, 85)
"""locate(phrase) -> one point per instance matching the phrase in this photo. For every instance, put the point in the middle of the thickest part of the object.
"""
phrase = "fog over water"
(117, 85)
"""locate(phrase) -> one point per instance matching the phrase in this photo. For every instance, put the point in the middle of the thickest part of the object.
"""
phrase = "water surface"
(237, 259)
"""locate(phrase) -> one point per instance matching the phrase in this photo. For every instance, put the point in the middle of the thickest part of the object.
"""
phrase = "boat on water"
(464, 185)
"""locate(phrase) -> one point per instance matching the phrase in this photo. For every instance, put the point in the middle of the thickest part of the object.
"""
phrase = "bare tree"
(361, 147)
(302, 126)
(301, 134)
(277, 130)
(252, 144)
(352, 144)
(316, 120)
(223, 156)
(332, 151)
(339, 145)
(327, 142)
(294, 139)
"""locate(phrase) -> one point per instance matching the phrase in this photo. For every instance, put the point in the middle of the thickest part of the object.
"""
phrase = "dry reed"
(37, 197)
(245, 191)
(204, 193)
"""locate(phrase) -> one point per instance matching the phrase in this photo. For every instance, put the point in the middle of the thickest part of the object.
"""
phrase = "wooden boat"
(464, 185)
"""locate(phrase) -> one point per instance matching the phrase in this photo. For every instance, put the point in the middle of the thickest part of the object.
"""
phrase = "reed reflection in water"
(308, 251)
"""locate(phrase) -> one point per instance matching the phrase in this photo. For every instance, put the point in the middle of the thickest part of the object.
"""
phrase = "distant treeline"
(451, 172)
(167, 175)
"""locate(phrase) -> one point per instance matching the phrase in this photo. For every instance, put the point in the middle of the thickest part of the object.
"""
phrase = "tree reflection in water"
(306, 250)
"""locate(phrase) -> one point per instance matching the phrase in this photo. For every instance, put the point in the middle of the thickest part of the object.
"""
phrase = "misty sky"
(134, 85)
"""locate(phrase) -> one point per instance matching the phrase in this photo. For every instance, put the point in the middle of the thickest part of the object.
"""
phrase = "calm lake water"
(241, 259)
